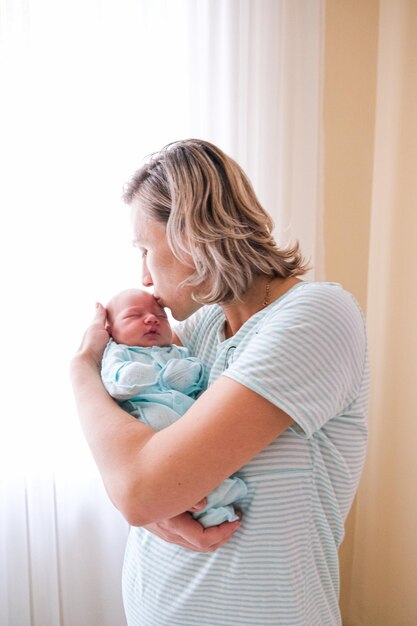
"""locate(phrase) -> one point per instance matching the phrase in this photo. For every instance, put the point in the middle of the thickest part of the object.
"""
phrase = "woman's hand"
(95, 338)
(183, 530)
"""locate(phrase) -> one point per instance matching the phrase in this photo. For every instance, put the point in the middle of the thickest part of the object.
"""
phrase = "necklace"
(227, 330)
(267, 295)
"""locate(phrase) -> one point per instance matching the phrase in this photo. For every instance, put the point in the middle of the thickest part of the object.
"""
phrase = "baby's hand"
(96, 337)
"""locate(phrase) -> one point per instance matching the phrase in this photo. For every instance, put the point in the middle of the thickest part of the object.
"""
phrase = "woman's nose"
(146, 277)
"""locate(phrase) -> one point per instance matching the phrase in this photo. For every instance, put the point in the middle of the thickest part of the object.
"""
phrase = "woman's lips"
(159, 301)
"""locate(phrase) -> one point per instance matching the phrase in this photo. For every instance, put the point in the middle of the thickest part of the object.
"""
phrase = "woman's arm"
(154, 476)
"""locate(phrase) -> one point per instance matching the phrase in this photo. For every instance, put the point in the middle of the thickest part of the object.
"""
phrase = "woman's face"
(160, 268)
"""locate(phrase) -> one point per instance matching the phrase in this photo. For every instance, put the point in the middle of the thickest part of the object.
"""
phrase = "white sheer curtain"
(88, 88)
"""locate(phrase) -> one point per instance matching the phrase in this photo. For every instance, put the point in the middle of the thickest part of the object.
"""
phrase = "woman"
(285, 410)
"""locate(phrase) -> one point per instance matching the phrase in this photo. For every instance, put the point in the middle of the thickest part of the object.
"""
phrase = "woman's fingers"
(210, 539)
(101, 315)
(184, 531)
(96, 336)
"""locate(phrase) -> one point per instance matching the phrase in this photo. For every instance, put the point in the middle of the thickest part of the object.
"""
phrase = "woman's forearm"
(151, 476)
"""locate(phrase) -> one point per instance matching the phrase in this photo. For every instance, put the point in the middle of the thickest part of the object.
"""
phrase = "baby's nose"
(151, 319)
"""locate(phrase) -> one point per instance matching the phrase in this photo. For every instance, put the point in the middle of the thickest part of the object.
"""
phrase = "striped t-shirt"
(306, 353)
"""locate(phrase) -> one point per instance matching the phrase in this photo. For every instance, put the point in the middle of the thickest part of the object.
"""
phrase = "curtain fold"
(383, 569)
(88, 89)
(259, 96)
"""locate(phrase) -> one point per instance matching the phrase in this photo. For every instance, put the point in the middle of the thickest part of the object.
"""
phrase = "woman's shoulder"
(315, 289)
(316, 297)
(322, 314)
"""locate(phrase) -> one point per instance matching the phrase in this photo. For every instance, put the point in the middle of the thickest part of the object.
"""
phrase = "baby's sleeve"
(185, 375)
(123, 378)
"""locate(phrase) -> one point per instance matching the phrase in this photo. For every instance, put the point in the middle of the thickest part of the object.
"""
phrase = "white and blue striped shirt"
(307, 354)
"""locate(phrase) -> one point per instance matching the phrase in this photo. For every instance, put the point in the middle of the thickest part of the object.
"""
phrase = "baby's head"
(135, 318)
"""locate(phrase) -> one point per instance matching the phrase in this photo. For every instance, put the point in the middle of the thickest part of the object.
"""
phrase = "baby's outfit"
(157, 385)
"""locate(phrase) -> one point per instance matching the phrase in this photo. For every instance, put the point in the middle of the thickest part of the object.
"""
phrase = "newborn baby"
(157, 381)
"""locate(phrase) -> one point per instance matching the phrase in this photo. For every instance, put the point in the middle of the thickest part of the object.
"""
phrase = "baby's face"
(136, 319)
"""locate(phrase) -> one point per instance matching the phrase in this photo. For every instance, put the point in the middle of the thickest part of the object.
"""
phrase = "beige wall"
(380, 584)
(351, 37)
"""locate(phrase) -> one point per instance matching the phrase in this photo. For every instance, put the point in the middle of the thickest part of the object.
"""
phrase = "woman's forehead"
(145, 229)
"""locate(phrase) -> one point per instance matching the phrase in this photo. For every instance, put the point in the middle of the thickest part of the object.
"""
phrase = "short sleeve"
(307, 356)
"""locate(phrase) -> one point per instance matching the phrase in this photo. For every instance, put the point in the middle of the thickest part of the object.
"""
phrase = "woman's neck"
(262, 292)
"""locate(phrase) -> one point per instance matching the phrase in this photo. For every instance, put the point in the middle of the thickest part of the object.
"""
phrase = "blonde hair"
(212, 214)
